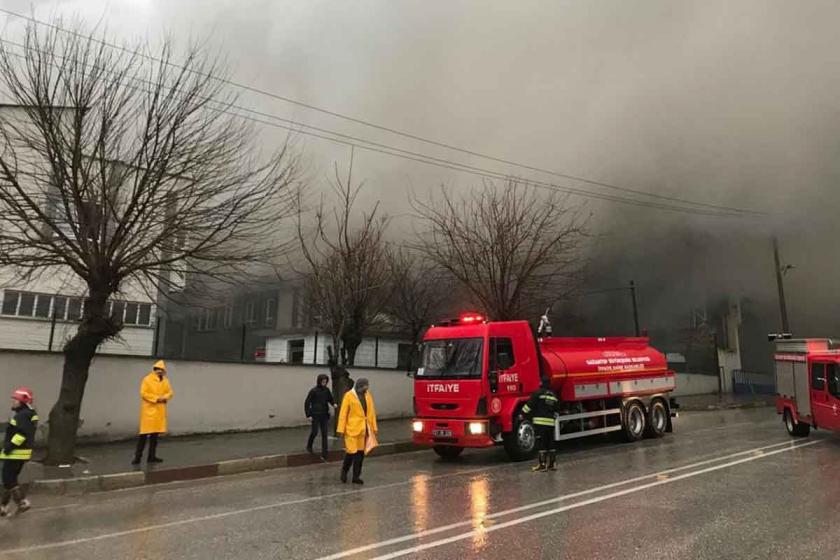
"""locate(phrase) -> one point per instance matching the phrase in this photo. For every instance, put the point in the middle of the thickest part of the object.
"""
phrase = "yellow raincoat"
(353, 423)
(153, 413)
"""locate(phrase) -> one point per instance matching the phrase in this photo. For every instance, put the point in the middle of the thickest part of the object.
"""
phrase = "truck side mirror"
(493, 378)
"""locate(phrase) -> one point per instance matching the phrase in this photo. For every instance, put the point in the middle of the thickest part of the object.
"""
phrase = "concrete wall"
(695, 384)
(209, 397)
(213, 397)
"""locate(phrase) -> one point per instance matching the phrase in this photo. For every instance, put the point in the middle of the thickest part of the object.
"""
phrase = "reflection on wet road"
(725, 484)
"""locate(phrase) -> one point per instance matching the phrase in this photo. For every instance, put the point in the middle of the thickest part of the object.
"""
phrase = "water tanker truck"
(476, 375)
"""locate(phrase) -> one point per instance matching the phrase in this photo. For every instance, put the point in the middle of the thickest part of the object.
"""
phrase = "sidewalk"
(695, 403)
(107, 466)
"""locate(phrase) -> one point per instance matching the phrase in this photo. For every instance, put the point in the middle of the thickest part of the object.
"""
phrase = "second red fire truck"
(475, 376)
(807, 383)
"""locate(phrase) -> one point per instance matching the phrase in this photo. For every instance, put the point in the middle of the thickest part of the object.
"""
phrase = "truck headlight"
(417, 426)
(476, 428)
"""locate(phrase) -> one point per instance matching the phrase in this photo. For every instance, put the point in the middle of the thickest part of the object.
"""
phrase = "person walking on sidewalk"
(17, 449)
(155, 394)
(540, 410)
(317, 409)
(357, 422)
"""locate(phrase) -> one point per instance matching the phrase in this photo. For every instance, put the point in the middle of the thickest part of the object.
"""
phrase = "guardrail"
(753, 383)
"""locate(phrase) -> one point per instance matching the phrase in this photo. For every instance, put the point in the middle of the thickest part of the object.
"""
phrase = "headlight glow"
(417, 426)
(476, 428)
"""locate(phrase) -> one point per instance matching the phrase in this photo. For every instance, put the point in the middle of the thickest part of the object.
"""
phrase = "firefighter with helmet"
(17, 449)
(540, 410)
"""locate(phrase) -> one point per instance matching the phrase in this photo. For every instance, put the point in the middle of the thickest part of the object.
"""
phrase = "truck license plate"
(442, 433)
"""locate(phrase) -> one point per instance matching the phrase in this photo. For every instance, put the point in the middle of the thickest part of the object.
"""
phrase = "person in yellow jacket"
(155, 393)
(357, 422)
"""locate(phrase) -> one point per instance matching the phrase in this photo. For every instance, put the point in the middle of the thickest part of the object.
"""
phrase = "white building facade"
(42, 312)
(382, 351)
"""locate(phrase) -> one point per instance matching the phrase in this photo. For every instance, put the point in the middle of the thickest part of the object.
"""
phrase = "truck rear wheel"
(657, 419)
(521, 443)
(794, 428)
(633, 422)
(448, 452)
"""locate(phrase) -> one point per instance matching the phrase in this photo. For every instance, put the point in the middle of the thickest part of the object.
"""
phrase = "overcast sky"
(730, 103)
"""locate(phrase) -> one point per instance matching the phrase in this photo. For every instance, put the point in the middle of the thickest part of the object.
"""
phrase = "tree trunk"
(79, 351)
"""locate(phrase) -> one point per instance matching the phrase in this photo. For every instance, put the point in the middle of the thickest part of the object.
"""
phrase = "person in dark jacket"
(17, 449)
(540, 410)
(317, 409)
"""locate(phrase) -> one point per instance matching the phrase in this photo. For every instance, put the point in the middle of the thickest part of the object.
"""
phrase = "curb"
(105, 482)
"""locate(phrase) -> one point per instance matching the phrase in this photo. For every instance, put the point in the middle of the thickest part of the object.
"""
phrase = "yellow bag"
(370, 441)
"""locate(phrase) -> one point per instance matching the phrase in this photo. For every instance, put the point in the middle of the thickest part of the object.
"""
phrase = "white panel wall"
(209, 397)
(33, 334)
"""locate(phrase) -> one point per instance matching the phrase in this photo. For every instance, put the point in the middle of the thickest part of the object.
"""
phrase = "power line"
(404, 134)
(371, 146)
(425, 159)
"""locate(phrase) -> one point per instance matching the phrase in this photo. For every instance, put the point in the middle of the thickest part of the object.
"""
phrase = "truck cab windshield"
(457, 358)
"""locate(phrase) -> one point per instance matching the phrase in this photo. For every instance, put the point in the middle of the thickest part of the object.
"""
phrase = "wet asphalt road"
(726, 484)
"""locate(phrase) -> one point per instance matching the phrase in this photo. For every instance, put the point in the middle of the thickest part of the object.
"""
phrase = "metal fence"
(753, 383)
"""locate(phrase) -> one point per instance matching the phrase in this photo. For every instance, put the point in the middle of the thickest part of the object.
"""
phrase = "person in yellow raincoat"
(155, 393)
(357, 422)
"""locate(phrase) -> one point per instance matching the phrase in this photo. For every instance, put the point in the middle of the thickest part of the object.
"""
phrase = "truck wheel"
(521, 443)
(794, 428)
(448, 452)
(657, 419)
(633, 422)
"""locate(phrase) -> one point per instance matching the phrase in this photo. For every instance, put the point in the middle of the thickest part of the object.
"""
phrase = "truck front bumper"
(449, 431)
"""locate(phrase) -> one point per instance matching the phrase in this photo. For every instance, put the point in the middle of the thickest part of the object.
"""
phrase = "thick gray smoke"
(726, 103)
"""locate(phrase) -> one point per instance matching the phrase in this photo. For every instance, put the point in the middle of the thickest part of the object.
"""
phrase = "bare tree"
(511, 249)
(422, 293)
(118, 167)
(346, 268)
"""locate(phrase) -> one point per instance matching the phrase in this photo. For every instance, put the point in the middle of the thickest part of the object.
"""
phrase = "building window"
(405, 356)
(296, 351)
(59, 307)
(250, 313)
(270, 309)
(131, 313)
(43, 303)
(74, 309)
(10, 302)
(145, 314)
(26, 305)
(228, 321)
(117, 311)
(64, 308)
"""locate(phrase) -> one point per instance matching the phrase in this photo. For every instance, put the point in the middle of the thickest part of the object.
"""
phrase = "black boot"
(19, 499)
(345, 466)
(552, 460)
(153, 441)
(357, 467)
(539, 467)
(4, 502)
(138, 452)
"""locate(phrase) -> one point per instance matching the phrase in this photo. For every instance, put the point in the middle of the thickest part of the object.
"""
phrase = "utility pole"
(635, 307)
(781, 286)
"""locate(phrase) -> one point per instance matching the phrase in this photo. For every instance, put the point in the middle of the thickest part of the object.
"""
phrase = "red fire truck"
(807, 384)
(475, 376)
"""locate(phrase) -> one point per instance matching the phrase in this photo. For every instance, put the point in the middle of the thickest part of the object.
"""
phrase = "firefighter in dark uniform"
(17, 449)
(540, 410)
